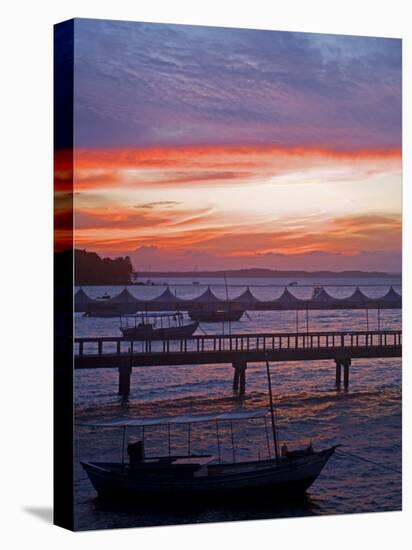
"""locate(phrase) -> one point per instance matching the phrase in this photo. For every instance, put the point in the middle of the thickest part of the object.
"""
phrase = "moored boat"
(215, 315)
(199, 476)
(204, 476)
(156, 326)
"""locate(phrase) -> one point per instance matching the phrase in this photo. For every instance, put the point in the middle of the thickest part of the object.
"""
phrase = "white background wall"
(26, 271)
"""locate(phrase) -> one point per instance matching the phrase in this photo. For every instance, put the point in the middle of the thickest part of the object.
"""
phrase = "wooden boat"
(198, 476)
(202, 476)
(160, 326)
(215, 315)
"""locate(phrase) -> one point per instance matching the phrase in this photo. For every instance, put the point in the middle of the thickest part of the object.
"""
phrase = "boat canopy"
(207, 297)
(82, 298)
(149, 314)
(323, 296)
(390, 296)
(183, 419)
(358, 297)
(125, 297)
(166, 297)
(286, 301)
(245, 298)
(286, 298)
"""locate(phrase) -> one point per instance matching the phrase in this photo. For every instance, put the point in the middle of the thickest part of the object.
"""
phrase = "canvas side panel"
(63, 274)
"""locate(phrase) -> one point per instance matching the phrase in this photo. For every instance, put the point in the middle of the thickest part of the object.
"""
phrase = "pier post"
(242, 380)
(236, 376)
(346, 364)
(239, 377)
(125, 372)
(338, 372)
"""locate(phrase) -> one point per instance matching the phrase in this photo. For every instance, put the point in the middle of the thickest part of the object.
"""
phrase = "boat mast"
(227, 299)
(272, 413)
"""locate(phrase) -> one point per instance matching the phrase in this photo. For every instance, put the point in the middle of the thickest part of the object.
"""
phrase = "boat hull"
(161, 333)
(238, 481)
(215, 316)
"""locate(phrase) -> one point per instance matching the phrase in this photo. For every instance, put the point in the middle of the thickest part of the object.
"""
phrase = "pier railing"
(240, 343)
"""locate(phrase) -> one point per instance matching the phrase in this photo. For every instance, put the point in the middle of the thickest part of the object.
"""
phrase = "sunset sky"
(226, 148)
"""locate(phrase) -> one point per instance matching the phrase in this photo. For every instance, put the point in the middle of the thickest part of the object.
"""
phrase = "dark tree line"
(91, 269)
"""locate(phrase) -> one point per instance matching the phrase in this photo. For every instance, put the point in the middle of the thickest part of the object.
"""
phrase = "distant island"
(268, 273)
(91, 269)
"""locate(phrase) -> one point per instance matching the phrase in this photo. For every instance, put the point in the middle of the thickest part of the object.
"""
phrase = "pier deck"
(238, 350)
(105, 352)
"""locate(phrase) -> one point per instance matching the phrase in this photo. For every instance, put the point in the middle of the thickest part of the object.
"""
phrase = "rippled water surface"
(366, 420)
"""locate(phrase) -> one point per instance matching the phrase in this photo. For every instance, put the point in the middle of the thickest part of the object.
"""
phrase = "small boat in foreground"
(156, 326)
(203, 476)
(199, 476)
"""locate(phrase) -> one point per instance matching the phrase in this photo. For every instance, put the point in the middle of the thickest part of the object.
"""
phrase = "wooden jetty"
(237, 350)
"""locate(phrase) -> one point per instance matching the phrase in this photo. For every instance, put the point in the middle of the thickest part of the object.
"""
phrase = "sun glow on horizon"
(237, 203)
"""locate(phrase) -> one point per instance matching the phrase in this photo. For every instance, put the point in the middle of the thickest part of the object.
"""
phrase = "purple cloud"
(139, 84)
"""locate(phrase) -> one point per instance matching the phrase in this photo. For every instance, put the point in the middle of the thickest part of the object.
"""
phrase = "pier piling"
(338, 372)
(242, 385)
(237, 350)
(346, 364)
(239, 377)
(236, 377)
(125, 372)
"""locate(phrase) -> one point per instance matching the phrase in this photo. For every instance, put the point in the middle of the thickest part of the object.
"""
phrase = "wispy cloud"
(235, 147)
(157, 204)
(348, 235)
(151, 84)
(225, 165)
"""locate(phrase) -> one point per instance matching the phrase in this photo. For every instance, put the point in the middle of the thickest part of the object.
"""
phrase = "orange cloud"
(347, 235)
(63, 170)
(180, 166)
(128, 215)
(135, 218)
